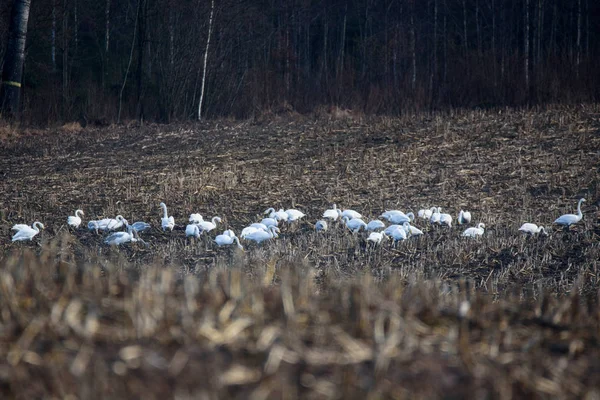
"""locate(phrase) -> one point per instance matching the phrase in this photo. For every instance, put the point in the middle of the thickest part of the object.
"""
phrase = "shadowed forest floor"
(306, 315)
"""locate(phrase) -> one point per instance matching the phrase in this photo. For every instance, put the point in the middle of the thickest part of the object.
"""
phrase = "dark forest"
(144, 59)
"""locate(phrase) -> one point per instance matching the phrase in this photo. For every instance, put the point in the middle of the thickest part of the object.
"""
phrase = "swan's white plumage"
(166, 221)
(75, 220)
(464, 217)
(398, 234)
(140, 226)
(351, 214)
(532, 229)
(354, 224)
(333, 213)
(209, 225)
(118, 238)
(376, 237)
(570, 219)
(196, 218)
(435, 215)
(260, 236)
(375, 224)
(294, 215)
(227, 238)
(473, 232)
(26, 232)
(192, 230)
(446, 219)
(425, 213)
(411, 230)
(400, 218)
(269, 221)
(320, 226)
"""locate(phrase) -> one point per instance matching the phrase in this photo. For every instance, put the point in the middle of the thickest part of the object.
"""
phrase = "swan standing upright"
(464, 217)
(567, 220)
(333, 213)
(376, 237)
(166, 221)
(75, 220)
(26, 232)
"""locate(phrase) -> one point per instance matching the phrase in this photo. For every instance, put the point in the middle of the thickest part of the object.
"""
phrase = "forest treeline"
(107, 59)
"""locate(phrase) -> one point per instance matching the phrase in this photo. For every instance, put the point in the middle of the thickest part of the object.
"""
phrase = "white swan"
(294, 215)
(269, 221)
(435, 215)
(425, 213)
(375, 224)
(26, 232)
(532, 229)
(388, 231)
(320, 226)
(473, 232)
(354, 224)
(351, 214)
(75, 220)
(209, 225)
(118, 238)
(376, 237)
(166, 221)
(260, 236)
(227, 238)
(250, 229)
(278, 215)
(411, 230)
(464, 217)
(192, 230)
(259, 225)
(570, 219)
(140, 226)
(398, 234)
(397, 218)
(333, 213)
(446, 219)
(196, 218)
(107, 224)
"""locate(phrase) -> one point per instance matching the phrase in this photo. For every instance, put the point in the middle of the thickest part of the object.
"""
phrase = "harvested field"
(306, 315)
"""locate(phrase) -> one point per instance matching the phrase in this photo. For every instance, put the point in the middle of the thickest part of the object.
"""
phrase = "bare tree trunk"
(526, 50)
(494, 57)
(107, 43)
(445, 45)
(135, 28)
(65, 58)
(340, 68)
(12, 73)
(587, 28)
(141, 39)
(434, 55)
(76, 27)
(477, 26)
(552, 49)
(413, 50)
(210, 22)
(465, 27)
(578, 59)
(53, 37)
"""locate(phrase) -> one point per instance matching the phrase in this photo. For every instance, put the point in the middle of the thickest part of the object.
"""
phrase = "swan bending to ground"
(227, 238)
(166, 221)
(107, 224)
(278, 215)
(333, 213)
(196, 218)
(532, 229)
(435, 215)
(398, 234)
(464, 217)
(376, 237)
(192, 230)
(260, 236)
(446, 219)
(140, 226)
(351, 214)
(354, 224)
(320, 226)
(269, 221)
(411, 230)
(375, 224)
(474, 232)
(26, 232)
(397, 218)
(75, 220)
(118, 238)
(294, 215)
(570, 219)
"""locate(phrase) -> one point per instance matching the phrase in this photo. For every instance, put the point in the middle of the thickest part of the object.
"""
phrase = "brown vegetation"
(307, 315)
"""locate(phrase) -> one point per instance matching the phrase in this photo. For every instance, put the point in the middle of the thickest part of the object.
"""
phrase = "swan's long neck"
(36, 226)
(215, 220)
(579, 213)
(164, 207)
(235, 238)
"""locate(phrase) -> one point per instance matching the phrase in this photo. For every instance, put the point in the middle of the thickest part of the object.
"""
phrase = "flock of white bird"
(400, 227)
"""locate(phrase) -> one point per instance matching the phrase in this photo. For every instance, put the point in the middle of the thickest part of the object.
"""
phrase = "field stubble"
(308, 315)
